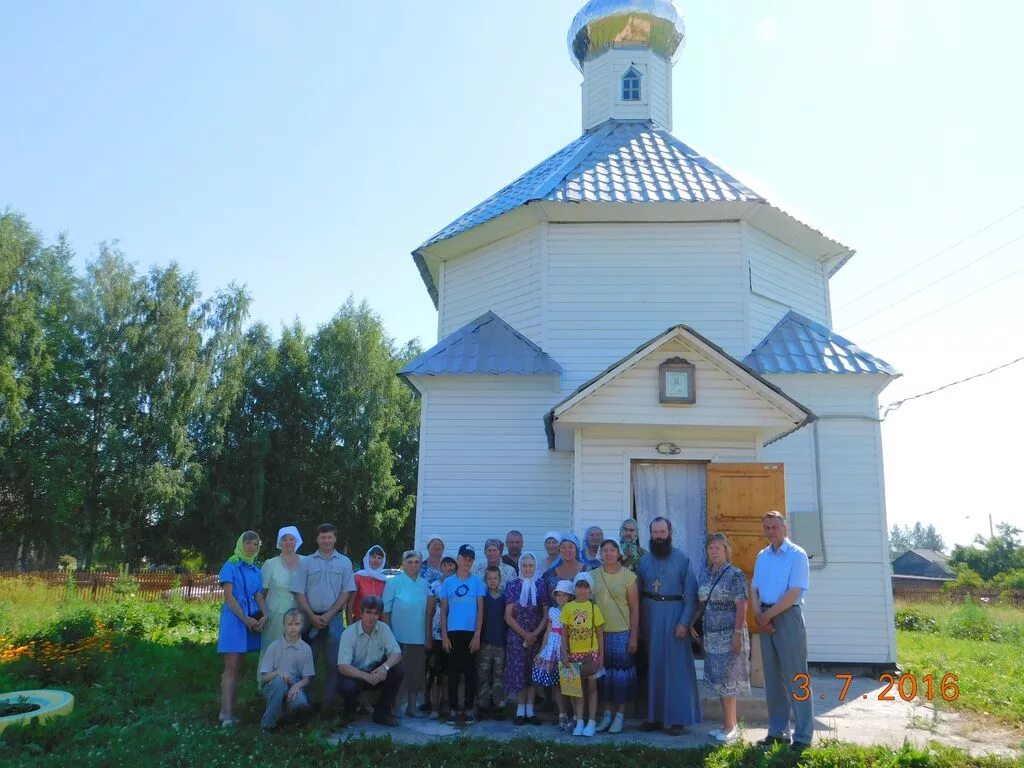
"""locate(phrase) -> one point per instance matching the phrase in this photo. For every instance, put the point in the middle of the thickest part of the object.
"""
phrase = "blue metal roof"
(617, 162)
(799, 345)
(488, 345)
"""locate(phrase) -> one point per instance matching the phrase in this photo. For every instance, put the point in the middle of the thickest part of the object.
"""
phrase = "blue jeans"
(274, 692)
(325, 656)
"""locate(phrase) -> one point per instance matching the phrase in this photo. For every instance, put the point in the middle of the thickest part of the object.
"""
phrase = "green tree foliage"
(140, 420)
(999, 554)
(918, 537)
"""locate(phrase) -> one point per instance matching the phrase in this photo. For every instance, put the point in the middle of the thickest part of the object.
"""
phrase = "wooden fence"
(927, 593)
(101, 586)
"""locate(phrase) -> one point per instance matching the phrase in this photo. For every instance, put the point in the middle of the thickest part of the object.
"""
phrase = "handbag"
(698, 645)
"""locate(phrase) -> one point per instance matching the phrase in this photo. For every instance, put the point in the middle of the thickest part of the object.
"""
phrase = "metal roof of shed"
(799, 345)
(487, 345)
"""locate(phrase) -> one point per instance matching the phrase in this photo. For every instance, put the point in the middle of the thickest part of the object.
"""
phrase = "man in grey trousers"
(781, 575)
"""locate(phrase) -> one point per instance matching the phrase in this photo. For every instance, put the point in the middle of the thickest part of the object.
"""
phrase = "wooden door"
(738, 497)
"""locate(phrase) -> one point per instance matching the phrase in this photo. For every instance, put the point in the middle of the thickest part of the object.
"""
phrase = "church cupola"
(625, 50)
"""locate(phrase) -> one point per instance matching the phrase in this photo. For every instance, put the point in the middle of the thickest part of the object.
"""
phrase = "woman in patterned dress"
(723, 593)
(526, 601)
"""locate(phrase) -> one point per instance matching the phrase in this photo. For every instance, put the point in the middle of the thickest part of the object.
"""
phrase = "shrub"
(136, 618)
(125, 584)
(971, 622)
(913, 620)
(76, 624)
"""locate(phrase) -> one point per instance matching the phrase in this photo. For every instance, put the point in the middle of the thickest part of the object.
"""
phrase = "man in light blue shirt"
(781, 576)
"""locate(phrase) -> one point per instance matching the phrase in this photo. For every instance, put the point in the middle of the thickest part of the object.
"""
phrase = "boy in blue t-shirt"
(491, 659)
(462, 616)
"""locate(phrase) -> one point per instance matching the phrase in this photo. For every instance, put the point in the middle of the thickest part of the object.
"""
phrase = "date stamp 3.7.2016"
(905, 686)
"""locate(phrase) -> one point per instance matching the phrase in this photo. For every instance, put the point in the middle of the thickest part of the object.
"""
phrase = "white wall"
(602, 88)
(849, 606)
(612, 287)
(782, 278)
(504, 277)
(633, 397)
(485, 466)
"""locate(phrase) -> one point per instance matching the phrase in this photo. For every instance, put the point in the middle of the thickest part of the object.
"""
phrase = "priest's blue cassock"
(668, 598)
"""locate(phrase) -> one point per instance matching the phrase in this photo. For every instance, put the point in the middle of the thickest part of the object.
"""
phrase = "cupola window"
(631, 85)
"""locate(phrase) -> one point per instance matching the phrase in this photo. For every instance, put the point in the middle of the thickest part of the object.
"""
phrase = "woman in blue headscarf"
(566, 566)
(242, 618)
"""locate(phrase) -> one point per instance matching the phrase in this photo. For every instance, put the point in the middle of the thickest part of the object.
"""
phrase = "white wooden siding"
(603, 493)
(485, 466)
(504, 277)
(784, 278)
(612, 287)
(632, 397)
(602, 88)
(849, 606)
(764, 315)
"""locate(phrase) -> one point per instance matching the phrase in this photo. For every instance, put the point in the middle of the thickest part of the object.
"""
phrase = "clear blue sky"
(306, 149)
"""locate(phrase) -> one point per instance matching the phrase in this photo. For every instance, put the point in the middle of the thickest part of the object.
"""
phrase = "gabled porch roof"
(788, 415)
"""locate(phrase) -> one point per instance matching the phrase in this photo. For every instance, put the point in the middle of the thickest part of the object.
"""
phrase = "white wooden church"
(627, 330)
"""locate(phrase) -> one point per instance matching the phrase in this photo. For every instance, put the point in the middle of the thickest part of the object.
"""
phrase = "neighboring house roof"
(930, 555)
(799, 412)
(799, 345)
(488, 345)
(620, 161)
(922, 563)
(617, 162)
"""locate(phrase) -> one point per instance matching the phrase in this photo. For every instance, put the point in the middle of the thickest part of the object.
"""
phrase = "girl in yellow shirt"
(583, 642)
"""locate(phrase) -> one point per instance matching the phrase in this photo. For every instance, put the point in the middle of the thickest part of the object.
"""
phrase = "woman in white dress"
(277, 580)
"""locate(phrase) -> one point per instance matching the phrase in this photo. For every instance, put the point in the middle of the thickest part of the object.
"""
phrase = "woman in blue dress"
(723, 593)
(242, 618)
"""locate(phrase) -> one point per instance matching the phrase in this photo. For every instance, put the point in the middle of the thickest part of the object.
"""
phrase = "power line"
(895, 405)
(948, 304)
(932, 257)
(936, 282)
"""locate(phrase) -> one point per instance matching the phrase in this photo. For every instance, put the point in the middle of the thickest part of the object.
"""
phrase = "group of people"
(458, 637)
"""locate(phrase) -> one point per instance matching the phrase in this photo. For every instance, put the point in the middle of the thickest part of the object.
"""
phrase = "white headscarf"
(430, 538)
(528, 594)
(368, 571)
(294, 532)
(553, 535)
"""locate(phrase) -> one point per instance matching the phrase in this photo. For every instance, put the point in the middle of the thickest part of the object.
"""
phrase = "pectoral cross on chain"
(656, 586)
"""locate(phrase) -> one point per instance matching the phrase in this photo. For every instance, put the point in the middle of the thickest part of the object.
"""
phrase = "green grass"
(981, 645)
(148, 694)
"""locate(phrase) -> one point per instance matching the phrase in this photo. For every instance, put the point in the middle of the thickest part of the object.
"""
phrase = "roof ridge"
(549, 182)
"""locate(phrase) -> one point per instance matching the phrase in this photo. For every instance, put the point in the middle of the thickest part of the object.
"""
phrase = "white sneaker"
(617, 723)
(732, 735)
(606, 721)
(578, 730)
(591, 729)
(714, 733)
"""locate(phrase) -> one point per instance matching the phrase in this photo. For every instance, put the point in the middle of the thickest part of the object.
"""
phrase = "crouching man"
(369, 658)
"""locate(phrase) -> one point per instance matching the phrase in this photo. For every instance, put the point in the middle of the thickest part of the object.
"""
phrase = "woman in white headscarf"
(277, 580)
(526, 602)
(551, 541)
(370, 580)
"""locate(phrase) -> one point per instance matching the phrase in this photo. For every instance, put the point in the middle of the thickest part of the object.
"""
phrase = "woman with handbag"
(617, 595)
(583, 647)
(723, 614)
(242, 618)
